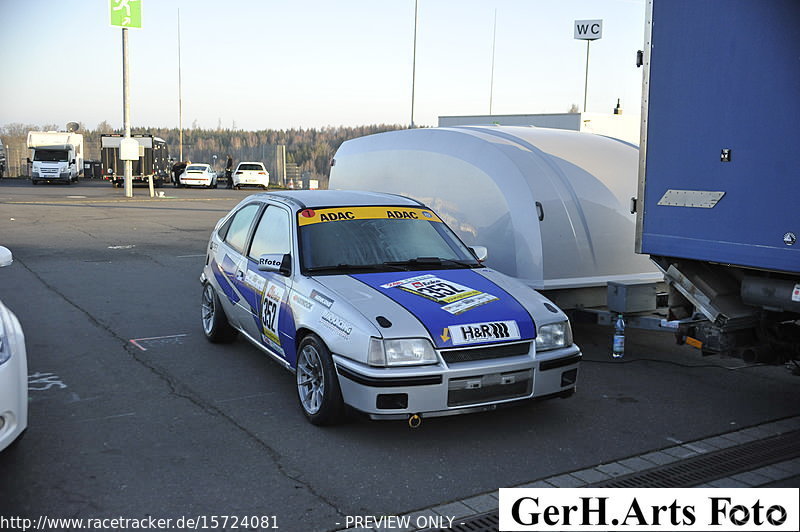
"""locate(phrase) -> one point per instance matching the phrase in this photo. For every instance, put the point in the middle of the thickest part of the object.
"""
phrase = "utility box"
(626, 297)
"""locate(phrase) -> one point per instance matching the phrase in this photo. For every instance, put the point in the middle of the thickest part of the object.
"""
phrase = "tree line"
(310, 149)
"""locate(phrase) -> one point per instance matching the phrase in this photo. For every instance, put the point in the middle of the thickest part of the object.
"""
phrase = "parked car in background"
(198, 175)
(250, 174)
(13, 372)
(374, 303)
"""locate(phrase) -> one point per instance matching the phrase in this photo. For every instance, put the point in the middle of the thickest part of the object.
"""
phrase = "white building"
(620, 126)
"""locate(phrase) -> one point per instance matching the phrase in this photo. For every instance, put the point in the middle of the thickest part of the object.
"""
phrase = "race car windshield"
(353, 240)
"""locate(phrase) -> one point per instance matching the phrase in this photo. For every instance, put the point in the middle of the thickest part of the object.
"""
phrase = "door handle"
(540, 211)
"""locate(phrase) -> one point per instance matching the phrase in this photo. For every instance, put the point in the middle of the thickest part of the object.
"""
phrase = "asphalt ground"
(133, 413)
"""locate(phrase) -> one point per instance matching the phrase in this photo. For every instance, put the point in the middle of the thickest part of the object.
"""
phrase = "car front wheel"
(215, 323)
(317, 384)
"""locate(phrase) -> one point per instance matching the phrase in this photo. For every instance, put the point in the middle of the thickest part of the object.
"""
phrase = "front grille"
(485, 388)
(454, 356)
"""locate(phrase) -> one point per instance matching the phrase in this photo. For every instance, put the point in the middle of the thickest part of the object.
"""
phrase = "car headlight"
(404, 352)
(553, 336)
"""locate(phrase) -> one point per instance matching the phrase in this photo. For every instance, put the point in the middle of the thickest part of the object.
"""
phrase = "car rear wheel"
(215, 323)
(317, 383)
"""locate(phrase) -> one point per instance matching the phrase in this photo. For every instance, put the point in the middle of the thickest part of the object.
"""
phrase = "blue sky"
(276, 64)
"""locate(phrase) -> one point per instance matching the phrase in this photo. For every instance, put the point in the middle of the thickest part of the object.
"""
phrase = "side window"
(239, 226)
(272, 234)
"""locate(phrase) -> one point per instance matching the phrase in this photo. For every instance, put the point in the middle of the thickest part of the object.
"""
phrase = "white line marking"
(137, 345)
(240, 398)
(135, 341)
(107, 417)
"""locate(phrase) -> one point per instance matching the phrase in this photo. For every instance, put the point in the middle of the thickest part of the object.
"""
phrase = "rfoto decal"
(491, 331)
(656, 509)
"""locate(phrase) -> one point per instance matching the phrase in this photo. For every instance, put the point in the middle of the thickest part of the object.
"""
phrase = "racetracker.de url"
(199, 522)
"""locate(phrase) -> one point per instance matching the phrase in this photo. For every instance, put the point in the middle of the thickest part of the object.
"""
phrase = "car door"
(271, 321)
(232, 263)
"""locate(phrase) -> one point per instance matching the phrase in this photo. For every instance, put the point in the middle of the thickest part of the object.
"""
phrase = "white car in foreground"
(198, 175)
(376, 304)
(250, 174)
(13, 372)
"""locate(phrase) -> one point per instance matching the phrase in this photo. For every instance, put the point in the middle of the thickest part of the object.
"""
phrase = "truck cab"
(54, 163)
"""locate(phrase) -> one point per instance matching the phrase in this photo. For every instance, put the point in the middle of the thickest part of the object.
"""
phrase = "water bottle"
(618, 348)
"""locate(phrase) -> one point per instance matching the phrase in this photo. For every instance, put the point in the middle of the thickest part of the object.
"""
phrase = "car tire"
(215, 323)
(317, 383)
(237, 187)
(34, 182)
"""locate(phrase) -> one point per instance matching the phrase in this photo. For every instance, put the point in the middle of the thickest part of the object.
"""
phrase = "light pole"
(414, 63)
(180, 98)
(126, 112)
(491, 82)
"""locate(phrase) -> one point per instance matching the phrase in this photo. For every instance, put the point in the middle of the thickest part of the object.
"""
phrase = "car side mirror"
(480, 252)
(275, 262)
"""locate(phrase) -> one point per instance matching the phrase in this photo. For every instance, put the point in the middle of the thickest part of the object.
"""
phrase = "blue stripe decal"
(458, 307)
(223, 282)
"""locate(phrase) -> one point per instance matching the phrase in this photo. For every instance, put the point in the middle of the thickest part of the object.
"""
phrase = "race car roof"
(339, 198)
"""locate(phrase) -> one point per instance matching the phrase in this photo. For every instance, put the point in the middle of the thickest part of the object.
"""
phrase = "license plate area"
(493, 387)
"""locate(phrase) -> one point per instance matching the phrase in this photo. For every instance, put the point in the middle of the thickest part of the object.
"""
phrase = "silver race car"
(373, 302)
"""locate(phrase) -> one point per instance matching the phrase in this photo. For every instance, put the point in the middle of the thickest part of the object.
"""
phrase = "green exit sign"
(126, 13)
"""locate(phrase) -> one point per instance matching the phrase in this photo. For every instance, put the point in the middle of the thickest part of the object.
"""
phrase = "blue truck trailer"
(718, 203)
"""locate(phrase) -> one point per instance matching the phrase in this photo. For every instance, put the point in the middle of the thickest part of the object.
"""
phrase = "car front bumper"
(449, 389)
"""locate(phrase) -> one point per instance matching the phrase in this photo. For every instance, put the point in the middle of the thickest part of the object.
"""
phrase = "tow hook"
(414, 421)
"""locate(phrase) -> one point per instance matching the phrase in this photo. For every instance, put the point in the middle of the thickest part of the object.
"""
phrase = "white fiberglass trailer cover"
(552, 206)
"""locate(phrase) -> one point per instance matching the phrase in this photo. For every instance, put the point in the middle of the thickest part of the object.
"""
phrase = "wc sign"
(588, 30)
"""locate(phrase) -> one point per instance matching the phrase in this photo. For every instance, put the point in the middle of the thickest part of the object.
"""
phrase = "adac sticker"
(270, 312)
(315, 216)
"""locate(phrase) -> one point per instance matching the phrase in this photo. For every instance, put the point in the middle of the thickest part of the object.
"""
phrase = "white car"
(198, 175)
(250, 174)
(376, 304)
(13, 372)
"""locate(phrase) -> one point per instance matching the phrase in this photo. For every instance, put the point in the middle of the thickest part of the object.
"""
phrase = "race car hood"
(456, 307)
